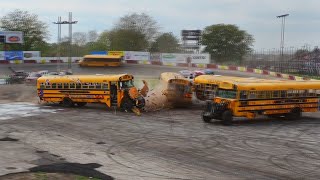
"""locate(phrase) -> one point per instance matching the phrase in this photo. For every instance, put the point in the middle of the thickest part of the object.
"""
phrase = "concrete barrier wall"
(45, 60)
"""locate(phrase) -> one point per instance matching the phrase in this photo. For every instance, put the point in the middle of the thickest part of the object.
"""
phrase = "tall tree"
(79, 38)
(139, 22)
(226, 42)
(127, 40)
(166, 43)
(35, 31)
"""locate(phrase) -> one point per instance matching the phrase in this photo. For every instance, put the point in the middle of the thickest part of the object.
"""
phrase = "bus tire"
(205, 119)
(81, 104)
(295, 114)
(67, 102)
(227, 118)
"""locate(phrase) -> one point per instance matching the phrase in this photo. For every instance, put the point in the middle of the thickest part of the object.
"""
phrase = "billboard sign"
(136, 55)
(185, 58)
(191, 33)
(99, 52)
(13, 55)
(31, 55)
(12, 36)
(116, 53)
(156, 57)
(2, 55)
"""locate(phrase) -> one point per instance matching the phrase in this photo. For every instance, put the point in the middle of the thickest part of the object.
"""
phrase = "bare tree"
(139, 22)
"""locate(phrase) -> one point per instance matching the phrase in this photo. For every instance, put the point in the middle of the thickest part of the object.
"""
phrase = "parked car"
(208, 71)
(198, 73)
(187, 74)
(32, 78)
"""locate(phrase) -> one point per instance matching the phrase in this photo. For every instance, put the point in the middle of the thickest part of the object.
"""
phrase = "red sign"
(13, 38)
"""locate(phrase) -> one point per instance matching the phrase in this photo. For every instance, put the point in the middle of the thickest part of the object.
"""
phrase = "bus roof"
(103, 56)
(84, 78)
(251, 83)
(167, 76)
(285, 85)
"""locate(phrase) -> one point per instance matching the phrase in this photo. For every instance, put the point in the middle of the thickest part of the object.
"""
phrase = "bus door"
(114, 93)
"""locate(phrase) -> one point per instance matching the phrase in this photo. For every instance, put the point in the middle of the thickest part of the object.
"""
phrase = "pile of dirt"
(18, 93)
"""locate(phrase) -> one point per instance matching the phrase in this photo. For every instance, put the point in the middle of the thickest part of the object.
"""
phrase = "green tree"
(166, 43)
(226, 43)
(127, 40)
(35, 32)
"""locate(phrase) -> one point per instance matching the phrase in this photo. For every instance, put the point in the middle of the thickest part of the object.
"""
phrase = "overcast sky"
(256, 17)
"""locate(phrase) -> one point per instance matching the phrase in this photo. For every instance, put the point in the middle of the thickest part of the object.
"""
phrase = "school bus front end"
(276, 99)
(113, 90)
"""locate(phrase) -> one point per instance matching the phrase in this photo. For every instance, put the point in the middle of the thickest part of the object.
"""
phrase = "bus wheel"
(206, 119)
(67, 102)
(81, 104)
(295, 114)
(227, 118)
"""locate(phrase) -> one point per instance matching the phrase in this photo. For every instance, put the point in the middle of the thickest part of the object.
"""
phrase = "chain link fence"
(302, 61)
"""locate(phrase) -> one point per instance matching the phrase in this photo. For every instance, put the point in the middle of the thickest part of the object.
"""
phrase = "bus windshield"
(102, 59)
(230, 94)
(126, 84)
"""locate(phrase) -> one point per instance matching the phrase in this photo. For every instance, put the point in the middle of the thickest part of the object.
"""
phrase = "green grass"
(41, 176)
(85, 178)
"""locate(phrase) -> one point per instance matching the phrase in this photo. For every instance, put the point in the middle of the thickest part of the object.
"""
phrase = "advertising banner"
(13, 55)
(200, 58)
(116, 53)
(185, 58)
(155, 57)
(31, 55)
(12, 36)
(2, 55)
(137, 56)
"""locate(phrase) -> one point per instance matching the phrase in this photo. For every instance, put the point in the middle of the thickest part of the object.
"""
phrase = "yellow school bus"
(205, 86)
(78, 90)
(273, 98)
(178, 88)
(101, 60)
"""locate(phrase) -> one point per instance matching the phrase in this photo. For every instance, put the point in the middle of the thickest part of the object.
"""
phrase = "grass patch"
(85, 178)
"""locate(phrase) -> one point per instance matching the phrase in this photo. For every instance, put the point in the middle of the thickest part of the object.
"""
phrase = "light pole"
(283, 21)
(70, 22)
(59, 41)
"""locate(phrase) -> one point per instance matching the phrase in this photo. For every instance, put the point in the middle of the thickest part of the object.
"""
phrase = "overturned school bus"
(245, 97)
(78, 90)
(178, 88)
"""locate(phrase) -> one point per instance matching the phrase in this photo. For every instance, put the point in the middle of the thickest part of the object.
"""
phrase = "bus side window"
(289, 93)
(59, 85)
(72, 85)
(91, 85)
(252, 95)
(54, 86)
(48, 86)
(243, 95)
(66, 85)
(98, 86)
(42, 86)
(275, 94)
(283, 93)
(78, 86)
(268, 94)
(312, 92)
(105, 86)
(85, 85)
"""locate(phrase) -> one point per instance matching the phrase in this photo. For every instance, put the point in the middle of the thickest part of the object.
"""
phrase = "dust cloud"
(156, 98)
(18, 93)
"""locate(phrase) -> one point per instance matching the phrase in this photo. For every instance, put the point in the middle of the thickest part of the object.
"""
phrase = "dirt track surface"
(167, 144)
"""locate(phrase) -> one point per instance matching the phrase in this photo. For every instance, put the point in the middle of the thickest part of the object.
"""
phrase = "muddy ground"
(164, 144)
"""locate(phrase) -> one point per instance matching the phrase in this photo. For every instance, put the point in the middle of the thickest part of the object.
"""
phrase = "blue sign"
(13, 55)
(99, 52)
